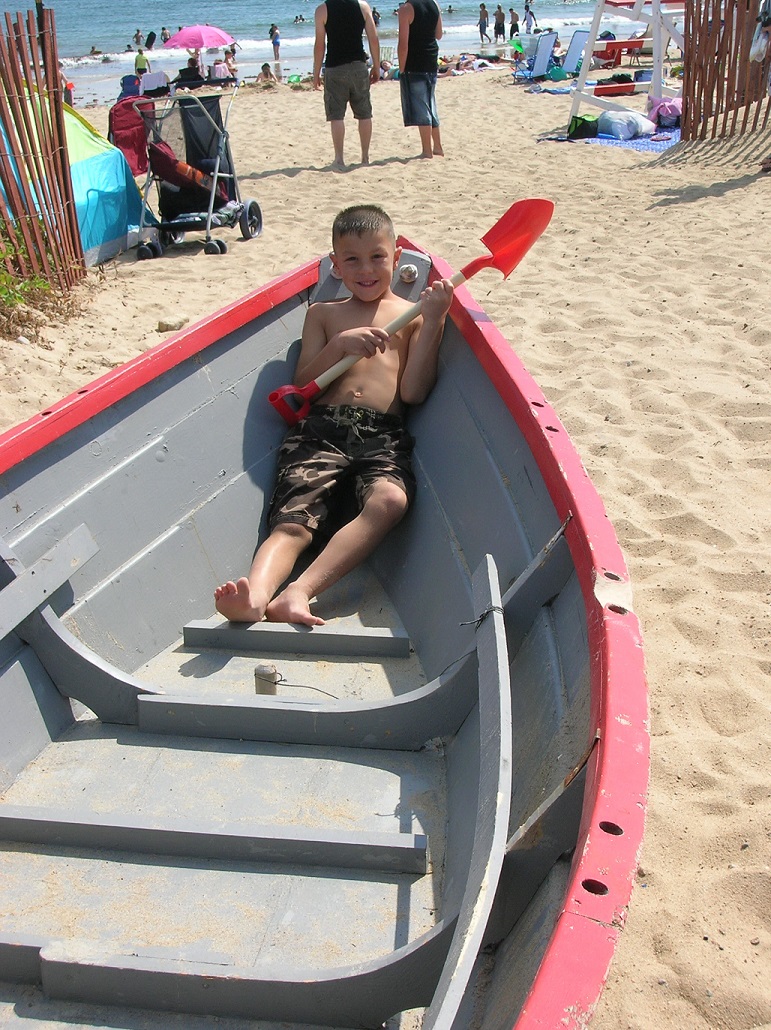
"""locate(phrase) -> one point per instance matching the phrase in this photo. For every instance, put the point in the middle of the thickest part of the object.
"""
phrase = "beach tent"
(107, 198)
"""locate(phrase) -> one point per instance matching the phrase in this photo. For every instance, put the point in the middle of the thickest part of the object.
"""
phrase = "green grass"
(26, 301)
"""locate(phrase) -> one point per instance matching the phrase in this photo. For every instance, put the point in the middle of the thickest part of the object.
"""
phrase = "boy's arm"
(419, 373)
(322, 347)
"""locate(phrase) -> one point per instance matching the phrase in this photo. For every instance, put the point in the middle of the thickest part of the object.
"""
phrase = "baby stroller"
(189, 160)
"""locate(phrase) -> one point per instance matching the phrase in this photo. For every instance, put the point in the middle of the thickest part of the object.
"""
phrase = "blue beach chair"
(541, 58)
(575, 51)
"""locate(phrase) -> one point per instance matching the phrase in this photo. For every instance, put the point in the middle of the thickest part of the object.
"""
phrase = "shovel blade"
(515, 232)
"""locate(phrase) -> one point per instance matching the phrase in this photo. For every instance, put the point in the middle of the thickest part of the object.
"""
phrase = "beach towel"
(655, 144)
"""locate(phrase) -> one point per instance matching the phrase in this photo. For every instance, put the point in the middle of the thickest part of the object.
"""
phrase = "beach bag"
(556, 74)
(583, 126)
(759, 45)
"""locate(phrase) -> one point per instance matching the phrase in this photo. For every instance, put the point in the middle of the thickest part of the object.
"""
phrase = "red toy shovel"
(508, 241)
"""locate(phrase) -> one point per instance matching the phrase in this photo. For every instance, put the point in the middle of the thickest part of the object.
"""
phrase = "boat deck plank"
(234, 783)
(227, 914)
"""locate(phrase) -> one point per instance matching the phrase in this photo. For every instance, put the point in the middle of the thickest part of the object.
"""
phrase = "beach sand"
(644, 314)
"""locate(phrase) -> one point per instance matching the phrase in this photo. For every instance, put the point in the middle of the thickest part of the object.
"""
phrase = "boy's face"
(366, 263)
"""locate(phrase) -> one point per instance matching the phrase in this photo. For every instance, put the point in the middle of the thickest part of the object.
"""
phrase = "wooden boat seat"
(403, 722)
(25, 590)
(25, 609)
(271, 637)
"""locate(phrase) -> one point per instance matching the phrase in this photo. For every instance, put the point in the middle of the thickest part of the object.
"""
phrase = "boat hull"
(501, 710)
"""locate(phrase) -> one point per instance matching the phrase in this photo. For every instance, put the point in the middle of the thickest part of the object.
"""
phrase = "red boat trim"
(37, 432)
(575, 965)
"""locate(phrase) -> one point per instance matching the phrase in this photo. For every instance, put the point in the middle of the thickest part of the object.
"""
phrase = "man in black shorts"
(347, 79)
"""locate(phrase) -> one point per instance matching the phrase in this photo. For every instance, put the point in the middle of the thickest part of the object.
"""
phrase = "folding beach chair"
(575, 51)
(541, 59)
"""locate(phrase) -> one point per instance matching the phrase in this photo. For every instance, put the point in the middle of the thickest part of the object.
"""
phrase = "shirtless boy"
(357, 428)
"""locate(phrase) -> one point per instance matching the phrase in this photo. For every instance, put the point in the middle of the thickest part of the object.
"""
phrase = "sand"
(644, 314)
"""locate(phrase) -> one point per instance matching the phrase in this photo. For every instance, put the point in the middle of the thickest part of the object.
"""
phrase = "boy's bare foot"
(235, 602)
(438, 152)
(292, 605)
(339, 166)
(426, 156)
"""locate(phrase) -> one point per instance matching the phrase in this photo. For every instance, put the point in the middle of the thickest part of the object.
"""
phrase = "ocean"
(83, 24)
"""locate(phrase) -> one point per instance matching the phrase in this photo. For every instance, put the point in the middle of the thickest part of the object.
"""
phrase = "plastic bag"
(759, 45)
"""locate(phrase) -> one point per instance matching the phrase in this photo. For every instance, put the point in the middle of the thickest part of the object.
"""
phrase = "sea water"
(109, 28)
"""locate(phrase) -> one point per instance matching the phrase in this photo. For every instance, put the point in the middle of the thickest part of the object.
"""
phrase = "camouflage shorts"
(332, 447)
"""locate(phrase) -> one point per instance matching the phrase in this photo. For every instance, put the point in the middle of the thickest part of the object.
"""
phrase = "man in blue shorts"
(420, 28)
(347, 79)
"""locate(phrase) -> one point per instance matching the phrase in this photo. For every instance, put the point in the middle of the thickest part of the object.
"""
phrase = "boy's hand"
(363, 342)
(437, 299)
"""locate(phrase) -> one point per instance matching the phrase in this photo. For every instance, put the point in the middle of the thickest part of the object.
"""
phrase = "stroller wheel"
(212, 247)
(222, 246)
(251, 220)
(145, 252)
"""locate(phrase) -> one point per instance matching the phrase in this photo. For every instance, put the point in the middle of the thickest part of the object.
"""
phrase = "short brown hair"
(360, 219)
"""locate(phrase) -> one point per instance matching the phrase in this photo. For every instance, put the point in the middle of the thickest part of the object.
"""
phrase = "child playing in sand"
(356, 433)
(266, 74)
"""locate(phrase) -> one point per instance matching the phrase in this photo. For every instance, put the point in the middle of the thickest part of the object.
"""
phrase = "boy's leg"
(247, 599)
(384, 507)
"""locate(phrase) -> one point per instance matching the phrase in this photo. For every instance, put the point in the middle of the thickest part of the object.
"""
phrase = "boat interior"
(364, 823)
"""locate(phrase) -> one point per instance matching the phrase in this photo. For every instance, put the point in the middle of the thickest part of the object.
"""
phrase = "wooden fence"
(39, 233)
(724, 93)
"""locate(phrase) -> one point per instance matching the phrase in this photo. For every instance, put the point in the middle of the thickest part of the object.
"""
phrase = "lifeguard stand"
(659, 16)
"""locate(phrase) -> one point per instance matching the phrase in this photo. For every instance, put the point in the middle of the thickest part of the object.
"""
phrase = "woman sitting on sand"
(266, 75)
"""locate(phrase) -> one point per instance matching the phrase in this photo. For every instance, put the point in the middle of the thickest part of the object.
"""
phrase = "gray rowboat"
(426, 813)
